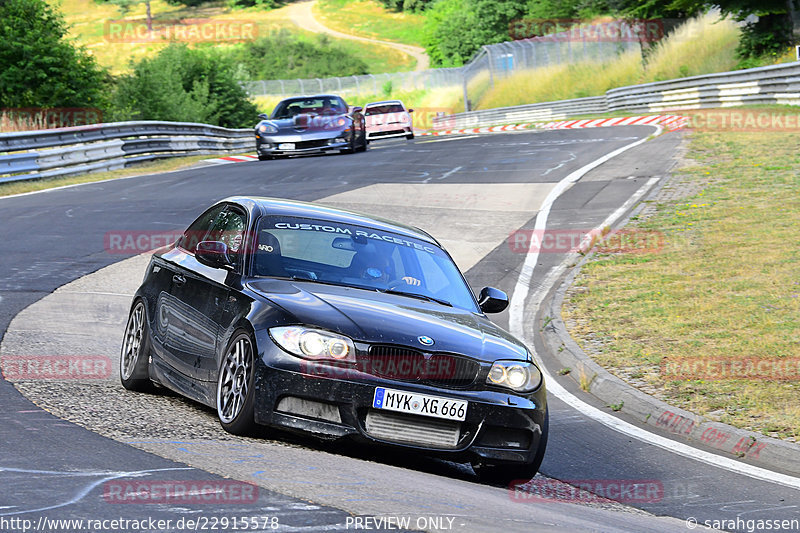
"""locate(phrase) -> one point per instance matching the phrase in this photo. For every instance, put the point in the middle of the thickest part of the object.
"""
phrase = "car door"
(201, 294)
(190, 305)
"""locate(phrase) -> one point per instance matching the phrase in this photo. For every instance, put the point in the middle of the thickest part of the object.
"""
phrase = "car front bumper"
(388, 132)
(305, 143)
(500, 427)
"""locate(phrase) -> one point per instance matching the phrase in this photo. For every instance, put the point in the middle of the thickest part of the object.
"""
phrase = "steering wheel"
(396, 284)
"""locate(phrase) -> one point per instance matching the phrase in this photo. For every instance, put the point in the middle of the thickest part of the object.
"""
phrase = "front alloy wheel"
(135, 355)
(235, 386)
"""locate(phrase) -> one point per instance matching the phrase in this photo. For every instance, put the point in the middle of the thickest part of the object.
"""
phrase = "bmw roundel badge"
(425, 341)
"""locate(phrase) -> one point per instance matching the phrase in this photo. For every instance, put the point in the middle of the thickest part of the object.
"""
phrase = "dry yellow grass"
(561, 82)
(87, 20)
(700, 46)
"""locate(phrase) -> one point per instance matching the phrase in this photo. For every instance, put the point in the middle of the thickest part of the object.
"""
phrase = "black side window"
(199, 229)
(229, 228)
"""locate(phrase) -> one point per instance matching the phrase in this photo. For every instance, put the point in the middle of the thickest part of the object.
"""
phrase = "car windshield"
(343, 254)
(383, 109)
(323, 105)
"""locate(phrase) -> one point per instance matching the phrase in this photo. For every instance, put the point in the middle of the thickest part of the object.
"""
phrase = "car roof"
(386, 102)
(258, 205)
(310, 96)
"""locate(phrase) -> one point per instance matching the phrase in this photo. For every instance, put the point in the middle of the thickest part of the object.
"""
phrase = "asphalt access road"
(55, 237)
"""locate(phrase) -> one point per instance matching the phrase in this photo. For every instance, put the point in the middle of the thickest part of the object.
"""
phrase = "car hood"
(306, 123)
(373, 317)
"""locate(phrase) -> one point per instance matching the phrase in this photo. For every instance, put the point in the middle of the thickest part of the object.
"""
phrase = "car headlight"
(340, 122)
(520, 376)
(267, 128)
(310, 343)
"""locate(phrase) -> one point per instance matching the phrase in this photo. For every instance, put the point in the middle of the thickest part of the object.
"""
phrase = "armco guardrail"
(764, 85)
(775, 84)
(67, 151)
(523, 113)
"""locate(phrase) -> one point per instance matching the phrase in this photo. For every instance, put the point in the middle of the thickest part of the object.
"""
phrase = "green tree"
(771, 32)
(186, 85)
(39, 67)
(456, 29)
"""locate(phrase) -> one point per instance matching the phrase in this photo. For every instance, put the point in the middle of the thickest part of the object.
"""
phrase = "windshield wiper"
(416, 295)
(334, 283)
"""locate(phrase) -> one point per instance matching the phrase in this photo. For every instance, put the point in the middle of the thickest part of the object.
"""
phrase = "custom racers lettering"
(356, 233)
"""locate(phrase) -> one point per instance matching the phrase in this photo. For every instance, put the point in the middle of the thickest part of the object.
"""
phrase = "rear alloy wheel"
(135, 355)
(235, 404)
(518, 474)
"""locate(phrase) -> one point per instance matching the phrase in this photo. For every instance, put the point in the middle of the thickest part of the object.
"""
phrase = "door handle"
(178, 280)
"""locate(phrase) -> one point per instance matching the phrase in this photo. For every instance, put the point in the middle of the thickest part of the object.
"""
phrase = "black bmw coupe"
(293, 315)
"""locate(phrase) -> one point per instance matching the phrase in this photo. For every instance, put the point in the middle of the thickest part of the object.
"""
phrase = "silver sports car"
(310, 124)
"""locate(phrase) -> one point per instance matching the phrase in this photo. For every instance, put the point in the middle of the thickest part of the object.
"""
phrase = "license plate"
(286, 146)
(419, 404)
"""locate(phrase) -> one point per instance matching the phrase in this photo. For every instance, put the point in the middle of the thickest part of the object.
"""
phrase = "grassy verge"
(368, 18)
(725, 286)
(154, 167)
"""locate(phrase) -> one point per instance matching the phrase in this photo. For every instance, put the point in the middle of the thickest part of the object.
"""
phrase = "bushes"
(284, 56)
(184, 85)
(202, 84)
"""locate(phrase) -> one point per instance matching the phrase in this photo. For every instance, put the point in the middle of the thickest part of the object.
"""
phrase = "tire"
(351, 146)
(364, 146)
(410, 136)
(264, 157)
(134, 358)
(506, 474)
(235, 379)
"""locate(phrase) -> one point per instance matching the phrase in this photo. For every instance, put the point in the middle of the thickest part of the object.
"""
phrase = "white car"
(389, 118)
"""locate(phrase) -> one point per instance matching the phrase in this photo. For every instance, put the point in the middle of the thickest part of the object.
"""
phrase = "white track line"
(516, 325)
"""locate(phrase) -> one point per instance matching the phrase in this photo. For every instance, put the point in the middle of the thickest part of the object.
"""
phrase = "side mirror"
(213, 254)
(492, 300)
(263, 116)
(410, 111)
